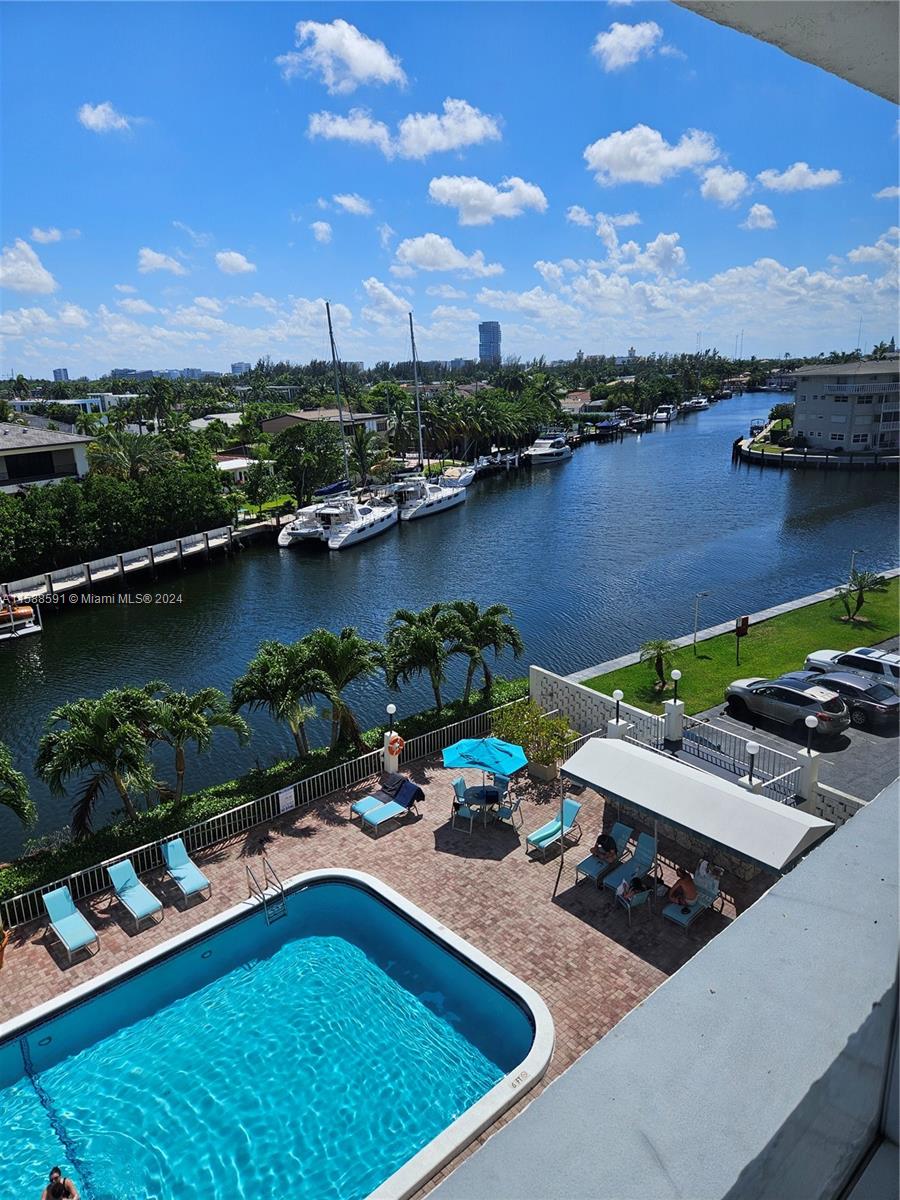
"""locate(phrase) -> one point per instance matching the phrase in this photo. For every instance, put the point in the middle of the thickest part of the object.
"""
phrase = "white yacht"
(695, 404)
(553, 449)
(340, 522)
(458, 477)
(664, 414)
(418, 497)
(305, 527)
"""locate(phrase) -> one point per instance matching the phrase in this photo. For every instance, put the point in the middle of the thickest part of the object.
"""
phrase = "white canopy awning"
(753, 827)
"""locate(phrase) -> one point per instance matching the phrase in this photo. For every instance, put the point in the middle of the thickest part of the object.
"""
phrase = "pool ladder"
(270, 892)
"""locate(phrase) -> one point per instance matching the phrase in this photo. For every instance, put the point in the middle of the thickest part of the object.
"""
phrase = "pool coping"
(452, 1140)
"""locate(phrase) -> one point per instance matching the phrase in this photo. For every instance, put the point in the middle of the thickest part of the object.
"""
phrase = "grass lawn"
(769, 649)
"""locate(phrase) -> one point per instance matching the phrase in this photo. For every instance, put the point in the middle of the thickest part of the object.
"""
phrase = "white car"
(881, 666)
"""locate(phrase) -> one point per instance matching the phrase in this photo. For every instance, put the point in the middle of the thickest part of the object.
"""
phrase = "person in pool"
(60, 1188)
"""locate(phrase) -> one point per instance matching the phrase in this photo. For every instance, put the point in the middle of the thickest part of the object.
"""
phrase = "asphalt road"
(860, 761)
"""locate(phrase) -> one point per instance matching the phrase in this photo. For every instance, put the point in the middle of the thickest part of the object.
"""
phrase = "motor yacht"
(546, 450)
(418, 497)
(458, 477)
(664, 414)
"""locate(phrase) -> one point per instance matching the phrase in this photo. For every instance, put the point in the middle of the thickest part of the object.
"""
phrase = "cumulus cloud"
(136, 307)
(152, 260)
(230, 262)
(341, 56)
(431, 252)
(125, 288)
(44, 236)
(418, 134)
(357, 126)
(103, 118)
(642, 155)
(884, 250)
(22, 271)
(384, 306)
(386, 235)
(446, 291)
(352, 203)
(799, 177)
(256, 300)
(198, 239)
(452, 314)
(724, 186)
(664, 256)
(760, 216)
(20, 322)
(887, 193)
(478, 203)
(579, 216)
(73, 316)
(321, 231)
(622, 45)
(209, 303)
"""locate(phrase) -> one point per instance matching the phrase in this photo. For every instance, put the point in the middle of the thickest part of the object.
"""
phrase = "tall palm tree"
(417, 643)
(344, 657)
(183, 718)
(95, 736)
(659, 652)
(477, 631)
(283, 680)
(14, 793)
(367, 450)
(127, 455)
(88, 423)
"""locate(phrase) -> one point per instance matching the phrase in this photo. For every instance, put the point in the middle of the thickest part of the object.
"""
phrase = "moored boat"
(548, 450)
(418, 497)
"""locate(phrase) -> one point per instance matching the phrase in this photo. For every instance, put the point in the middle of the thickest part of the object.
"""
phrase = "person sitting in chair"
(630, 890)
(605, 849)
(683, 891)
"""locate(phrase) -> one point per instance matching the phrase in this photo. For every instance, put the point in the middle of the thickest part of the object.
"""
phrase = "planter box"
(543, 772)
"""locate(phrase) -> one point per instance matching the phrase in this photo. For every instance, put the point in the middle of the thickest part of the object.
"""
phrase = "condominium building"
(489, 342)
(240, 368)
(848, 406)
(60, 375)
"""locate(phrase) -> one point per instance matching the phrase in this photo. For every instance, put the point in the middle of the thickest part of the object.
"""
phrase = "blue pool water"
(308, 1059)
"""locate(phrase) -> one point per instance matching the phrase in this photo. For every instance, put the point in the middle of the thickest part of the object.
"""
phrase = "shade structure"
(487, 754)
(753, 827)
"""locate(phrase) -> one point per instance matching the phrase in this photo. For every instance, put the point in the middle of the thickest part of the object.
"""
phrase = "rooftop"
(331, 414)
(26, 437)
(885, 367)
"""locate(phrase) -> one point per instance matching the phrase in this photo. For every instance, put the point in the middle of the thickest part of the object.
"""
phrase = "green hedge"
(45, 866)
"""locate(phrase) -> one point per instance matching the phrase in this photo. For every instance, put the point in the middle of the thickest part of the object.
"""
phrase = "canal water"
(594, 557)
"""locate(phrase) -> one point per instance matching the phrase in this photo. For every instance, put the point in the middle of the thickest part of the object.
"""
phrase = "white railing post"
(674, 720)
(809, 774)
(617, 729)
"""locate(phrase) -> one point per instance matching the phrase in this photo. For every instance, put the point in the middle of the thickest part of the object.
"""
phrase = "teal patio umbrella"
(486, 754)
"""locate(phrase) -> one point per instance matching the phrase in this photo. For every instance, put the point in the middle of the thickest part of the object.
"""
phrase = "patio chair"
(364, 805)
(636, 901)
(639, 863)
(708, 895)
(67, 922)
(551, 832)
(186, 875)
(501, 783)
(137, 898)
(509, 811)
(596, 868)
(377, 819)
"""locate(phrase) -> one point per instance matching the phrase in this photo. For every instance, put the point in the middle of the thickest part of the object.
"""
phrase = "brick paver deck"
(575, 950)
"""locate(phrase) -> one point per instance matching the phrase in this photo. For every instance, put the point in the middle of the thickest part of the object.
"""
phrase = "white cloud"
(550, 272)
(799, 177)
(622, 45)
(642, 155)
(446, 291)
(125, 288)
(198, 239)
(664, 256)
(231, 262)
(352, 203)
(341, 56)
(73, 316)
(386, 235)
(321, 231)
(760, 216)
(207, 302)
(431, 252)
(887, 193)
(451, 314)
(884, 250)
(724, 186)
(103, 118)
(257, 300)
(478, 203)
(22, 271)
(20, 322)
(384, 306)
(579, 216)
(44, 236)
(460, 124)
(151, 260)
(358, 126)
(136, 307)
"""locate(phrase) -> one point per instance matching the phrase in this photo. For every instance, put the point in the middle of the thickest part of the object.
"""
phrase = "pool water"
(314, 1068)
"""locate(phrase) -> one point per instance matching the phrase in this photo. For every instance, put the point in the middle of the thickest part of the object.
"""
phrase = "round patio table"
(483, 798)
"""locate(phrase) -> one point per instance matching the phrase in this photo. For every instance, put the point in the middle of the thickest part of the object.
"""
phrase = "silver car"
(878, 666)
(789, 704)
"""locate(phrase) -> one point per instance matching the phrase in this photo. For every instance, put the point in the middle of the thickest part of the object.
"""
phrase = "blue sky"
(591, 175)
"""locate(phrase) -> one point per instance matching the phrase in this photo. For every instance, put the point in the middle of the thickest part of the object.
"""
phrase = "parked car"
(879, 666)
(789, 704)
(869, 703)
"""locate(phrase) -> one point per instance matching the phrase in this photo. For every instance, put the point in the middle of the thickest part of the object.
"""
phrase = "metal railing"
(728, 751)
(856, 389)
(783, 787)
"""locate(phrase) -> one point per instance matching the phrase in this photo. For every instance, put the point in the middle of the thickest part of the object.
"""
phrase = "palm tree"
(183, 718)
(852, 594)
(88, 423)
(367, 450)
(479, 630)
(14, 790)
(283, 680)
(96, 736)
(417, 644)
(659, 652)
(344, 657)
(127, 455)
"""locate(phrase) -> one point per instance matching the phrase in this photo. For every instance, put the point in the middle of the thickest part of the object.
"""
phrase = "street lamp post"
(676, 675)
(811, 724)
(699, 596)
(853, 554)
(752, 751)
(618, 694)
(391, 709)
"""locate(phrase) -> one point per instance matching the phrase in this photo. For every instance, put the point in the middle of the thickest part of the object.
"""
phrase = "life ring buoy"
(395, 744)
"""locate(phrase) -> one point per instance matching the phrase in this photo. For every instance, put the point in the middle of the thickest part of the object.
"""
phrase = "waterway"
(593, 557)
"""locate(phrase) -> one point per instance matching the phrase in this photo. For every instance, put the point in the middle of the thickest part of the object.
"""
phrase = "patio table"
(485, 798)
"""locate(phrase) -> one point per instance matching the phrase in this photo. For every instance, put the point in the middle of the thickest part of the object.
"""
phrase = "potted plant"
(544, 739)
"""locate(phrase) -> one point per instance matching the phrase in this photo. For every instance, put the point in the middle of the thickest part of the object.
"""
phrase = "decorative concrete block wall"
(833, 806)
(588, 711)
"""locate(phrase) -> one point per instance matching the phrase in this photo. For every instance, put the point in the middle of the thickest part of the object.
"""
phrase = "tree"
(127, 455)
(261, 485)
(367, 450)
(181, 718)
(852, 594)
(95, 736)
(416, 645)
(283, 680)
(308, 456)
(14, 793)
(88, 423)
(659, 652)
(477, 631)
(344, 657)
(21, 388)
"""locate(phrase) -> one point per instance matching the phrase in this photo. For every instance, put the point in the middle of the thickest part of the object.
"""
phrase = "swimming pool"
(348, 1049)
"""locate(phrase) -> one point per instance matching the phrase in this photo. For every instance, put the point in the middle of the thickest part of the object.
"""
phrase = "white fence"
(728, 751)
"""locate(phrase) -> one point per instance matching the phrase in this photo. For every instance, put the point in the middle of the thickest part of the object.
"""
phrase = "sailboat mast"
(337, 392)
(415, 362)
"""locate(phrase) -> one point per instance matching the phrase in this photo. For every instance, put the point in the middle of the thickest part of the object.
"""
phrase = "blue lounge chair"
(188, 877)
(596, 868)
(637, 901)
(379, 818)
(67, 922)
(639, 863)
(361, 807)
(137, 898)
(708, 896)
(550, 833)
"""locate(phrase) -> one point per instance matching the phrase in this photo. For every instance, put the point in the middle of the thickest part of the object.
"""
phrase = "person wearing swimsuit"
(59, 1188)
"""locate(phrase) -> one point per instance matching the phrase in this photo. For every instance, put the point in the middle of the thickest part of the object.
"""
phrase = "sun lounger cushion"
(137, 898)
(386, 812)
(188, 877)
(72, 928)
(366, 804)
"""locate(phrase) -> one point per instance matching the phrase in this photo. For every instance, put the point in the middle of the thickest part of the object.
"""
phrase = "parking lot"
(860, 762)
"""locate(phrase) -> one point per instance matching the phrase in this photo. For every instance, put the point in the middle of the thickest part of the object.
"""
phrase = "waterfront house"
(853, 407)
(29, 455)
(373, 422)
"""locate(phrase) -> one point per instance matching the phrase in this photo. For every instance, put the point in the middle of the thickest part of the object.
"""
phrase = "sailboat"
(417, 496)
(342, 519)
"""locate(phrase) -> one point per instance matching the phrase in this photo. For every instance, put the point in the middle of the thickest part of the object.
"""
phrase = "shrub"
(544, 739)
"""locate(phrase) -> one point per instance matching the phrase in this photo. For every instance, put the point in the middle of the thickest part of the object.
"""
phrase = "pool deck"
(576, 951)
